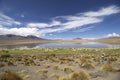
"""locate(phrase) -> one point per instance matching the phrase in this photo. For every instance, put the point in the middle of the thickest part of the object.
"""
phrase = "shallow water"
(63, 45)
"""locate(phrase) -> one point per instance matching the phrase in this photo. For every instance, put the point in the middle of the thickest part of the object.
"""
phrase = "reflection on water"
(63, 45)
(23, 46)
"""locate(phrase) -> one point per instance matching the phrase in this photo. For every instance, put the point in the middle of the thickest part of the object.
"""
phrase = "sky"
(60, 19)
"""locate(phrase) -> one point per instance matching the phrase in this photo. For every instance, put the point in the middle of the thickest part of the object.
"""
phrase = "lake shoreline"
(60, 45)
(21, 42)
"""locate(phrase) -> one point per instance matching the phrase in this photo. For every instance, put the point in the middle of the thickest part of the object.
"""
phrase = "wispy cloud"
(84, 29)
(103, 12)
(44, 25)
(7, 21)
(58, 23)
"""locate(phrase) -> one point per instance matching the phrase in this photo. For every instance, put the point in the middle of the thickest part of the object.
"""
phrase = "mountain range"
(18, 37)
(10, 39)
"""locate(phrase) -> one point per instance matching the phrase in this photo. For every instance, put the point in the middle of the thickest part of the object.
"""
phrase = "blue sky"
(56, 19)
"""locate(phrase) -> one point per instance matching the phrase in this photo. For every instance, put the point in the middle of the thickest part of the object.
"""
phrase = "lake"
(62, 45)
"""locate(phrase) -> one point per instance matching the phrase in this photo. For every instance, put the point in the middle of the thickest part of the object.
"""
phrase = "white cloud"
(79, 23)
(57, 24)
(103, 12)
(84, 29)
(44, 25)
(113, 35)
(20, 31)
(38, 25)
(7, 21)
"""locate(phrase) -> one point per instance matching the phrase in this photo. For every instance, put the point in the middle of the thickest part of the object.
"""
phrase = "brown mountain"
(18, 37)
(10, 39)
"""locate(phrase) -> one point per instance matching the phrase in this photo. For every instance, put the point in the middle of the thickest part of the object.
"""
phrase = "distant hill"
(10, 39)
(111, 40)
(107, 40)
(77, 38)
(18, 37)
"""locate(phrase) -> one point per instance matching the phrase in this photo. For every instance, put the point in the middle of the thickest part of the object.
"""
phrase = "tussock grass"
(42, 71)
(10, 76)
(80, 75)
(108, 67)
(87, 66)
(67, 69)
(56, 76)
(2, 65)
(62, 78)
(5, 55)
(61, 63)
(43, 76)
(56, 67)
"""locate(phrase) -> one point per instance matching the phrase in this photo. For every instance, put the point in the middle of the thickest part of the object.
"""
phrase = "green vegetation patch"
(53, 51)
